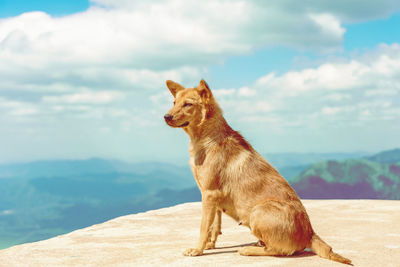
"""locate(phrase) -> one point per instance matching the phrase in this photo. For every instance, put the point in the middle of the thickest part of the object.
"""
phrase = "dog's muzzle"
(168, 117)
(169, 120)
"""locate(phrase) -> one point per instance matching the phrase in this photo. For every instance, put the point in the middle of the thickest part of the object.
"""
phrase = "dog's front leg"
(215, 231)
(209, 208)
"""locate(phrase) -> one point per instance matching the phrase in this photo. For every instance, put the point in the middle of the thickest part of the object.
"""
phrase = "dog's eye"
(174, 103)
(187, 104)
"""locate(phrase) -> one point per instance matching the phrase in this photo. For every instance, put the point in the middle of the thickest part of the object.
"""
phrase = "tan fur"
(235, 179)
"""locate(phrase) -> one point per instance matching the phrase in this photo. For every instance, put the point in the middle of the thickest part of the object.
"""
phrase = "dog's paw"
(210, 245)
(193, 252)
(244, 251)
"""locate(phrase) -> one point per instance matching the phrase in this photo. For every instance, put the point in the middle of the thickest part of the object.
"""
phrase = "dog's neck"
(212, 128)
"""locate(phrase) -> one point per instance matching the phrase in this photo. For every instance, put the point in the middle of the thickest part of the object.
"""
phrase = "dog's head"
(190, 105)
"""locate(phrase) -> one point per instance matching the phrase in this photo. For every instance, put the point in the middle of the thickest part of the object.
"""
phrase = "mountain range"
(349, 179)
(42, 199)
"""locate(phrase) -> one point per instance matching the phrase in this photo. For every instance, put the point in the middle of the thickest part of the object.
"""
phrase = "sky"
(81, 79)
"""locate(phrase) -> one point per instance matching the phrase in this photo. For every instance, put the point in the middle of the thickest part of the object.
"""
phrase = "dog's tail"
(323, 250)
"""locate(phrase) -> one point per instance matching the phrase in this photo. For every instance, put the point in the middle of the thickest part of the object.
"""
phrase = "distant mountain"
(389, 156)
(345, 179)
(355, 178)
(290, 172)
(280, 160)
(93, 166)
(42, 199)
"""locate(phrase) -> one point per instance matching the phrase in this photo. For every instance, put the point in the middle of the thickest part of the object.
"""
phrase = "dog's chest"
(197, 155)
(196, 167)
(202, 166)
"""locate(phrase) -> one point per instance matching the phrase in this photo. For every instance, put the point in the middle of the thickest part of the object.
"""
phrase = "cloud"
(358, 11)
(377, 70)
(349, 11)
(381, 92)
(329, 24)
(332, 110)
(103, 97)
(127, 45)
(328, 76)
(224, 92)
(102, 70)
(161, 35)
(16, 108)
(337, 97)
(359, 89)
(246, 91)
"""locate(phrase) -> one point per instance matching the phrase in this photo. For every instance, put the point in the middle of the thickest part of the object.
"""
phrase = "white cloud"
(23, 111)
(160, 35)
(17, 108)
(338, 97)
(130, 44)
(246, 91)
(348, 11)
(102, 97)
(358, 72)
(329, 24)
(331, 110)
(127, 45)
(381, 92)
(328, 76)
(104, 68)
(224, 92)
(362, 88)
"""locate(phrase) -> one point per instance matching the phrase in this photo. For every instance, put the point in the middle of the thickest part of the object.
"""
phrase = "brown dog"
(235, 179)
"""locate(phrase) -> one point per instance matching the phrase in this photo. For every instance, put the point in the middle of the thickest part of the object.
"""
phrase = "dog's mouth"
(171, 123)
(184, 125)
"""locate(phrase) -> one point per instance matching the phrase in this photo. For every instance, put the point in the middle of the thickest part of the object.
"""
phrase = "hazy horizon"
(183, 160)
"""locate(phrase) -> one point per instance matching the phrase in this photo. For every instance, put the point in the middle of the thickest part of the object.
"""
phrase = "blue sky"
(55, 8)
(83, 79)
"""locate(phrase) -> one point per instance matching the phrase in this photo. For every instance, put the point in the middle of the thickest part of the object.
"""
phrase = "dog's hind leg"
(215, 231)
(284, 228)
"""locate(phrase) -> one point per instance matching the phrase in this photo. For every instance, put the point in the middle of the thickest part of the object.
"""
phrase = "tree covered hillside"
(375, 177)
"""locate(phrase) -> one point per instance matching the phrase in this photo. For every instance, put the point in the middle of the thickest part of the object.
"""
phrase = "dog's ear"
(204, 90)
(174, 87)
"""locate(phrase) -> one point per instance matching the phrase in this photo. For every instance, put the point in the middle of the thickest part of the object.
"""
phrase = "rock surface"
(366, 231)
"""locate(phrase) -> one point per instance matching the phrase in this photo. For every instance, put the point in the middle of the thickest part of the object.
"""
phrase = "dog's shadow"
(301, 254)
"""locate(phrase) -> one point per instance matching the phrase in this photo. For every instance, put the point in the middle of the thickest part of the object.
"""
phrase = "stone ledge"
(366, 231)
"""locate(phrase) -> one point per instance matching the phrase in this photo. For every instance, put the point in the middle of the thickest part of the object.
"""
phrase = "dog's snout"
(168, 117)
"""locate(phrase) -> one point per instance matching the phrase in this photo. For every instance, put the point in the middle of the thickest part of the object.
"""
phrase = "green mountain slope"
(354, 178)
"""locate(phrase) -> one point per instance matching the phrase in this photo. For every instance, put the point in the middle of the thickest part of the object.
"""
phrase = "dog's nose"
(168, 117)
